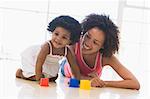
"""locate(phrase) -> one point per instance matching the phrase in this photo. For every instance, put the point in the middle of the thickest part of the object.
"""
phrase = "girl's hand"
(38, 77)
(96, 82)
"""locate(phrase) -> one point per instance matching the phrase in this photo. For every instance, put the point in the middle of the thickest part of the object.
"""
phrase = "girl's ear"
(69, 43)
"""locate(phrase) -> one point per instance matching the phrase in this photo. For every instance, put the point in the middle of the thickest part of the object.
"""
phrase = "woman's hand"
(96, 82)
(86, 77)
(93, 74)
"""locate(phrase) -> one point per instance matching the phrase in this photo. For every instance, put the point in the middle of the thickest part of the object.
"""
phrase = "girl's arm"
(73, 65)
(40, 61)
(129, 80)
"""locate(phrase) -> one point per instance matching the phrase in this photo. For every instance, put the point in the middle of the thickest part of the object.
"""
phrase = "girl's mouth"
(57, 43)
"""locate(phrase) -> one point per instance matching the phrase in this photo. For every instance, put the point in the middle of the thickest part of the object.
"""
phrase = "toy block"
(74, 83)
(44, 82)
(85, 84)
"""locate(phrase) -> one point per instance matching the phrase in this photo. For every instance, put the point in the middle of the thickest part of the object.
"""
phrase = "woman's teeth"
(86, 47)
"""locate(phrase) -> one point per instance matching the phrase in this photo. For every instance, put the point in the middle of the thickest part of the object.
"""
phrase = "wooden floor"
(14, 88)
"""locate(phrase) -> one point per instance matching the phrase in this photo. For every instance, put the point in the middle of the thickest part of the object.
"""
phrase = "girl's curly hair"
(68, 23)
(111, 43)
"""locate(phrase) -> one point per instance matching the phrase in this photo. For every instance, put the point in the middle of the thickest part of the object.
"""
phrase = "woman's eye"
(87, 36)
(56, 34)
(96, 43)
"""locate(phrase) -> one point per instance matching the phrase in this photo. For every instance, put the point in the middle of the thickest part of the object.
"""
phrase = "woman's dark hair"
(102, 22)
(68, 23)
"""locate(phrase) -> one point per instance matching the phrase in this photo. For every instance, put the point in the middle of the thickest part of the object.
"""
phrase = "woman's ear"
(101, 50)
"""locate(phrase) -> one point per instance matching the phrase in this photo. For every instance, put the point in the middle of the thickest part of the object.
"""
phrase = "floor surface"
(15, 88)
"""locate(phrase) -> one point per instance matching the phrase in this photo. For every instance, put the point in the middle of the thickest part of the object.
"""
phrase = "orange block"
(44, 82)
(85, 84)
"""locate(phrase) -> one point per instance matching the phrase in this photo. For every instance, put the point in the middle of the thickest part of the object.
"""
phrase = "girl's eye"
(64, 37)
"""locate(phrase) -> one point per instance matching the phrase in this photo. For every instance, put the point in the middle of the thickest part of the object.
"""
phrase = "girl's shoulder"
(45, 47)
(72, 47)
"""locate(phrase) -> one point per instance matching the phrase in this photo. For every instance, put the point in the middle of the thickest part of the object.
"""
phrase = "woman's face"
(92, 41)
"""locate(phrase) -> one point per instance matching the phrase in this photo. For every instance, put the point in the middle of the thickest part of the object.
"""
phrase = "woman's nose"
(89, 43)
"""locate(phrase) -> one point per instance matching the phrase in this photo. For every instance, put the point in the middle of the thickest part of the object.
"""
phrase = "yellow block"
(85, 84)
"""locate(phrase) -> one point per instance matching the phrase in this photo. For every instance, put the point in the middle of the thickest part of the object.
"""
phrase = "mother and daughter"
(86, 55)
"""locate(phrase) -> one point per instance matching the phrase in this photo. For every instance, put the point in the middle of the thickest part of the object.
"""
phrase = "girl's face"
(60, 37)
(93, 41)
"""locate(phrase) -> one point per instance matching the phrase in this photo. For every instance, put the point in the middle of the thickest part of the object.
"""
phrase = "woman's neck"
(90, 59)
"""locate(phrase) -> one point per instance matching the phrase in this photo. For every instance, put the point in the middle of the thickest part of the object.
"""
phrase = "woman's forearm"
(123, 84)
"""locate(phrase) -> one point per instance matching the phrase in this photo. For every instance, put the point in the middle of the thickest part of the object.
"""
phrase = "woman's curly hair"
(68, 23)
(102, 22)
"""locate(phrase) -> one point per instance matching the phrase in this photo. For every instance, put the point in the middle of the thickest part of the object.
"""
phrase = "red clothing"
(84, 68)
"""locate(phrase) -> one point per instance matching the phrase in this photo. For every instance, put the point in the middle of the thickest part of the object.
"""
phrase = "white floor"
(14, 88)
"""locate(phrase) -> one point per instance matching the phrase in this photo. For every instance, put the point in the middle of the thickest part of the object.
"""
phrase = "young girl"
(96, 49)
(42, 61)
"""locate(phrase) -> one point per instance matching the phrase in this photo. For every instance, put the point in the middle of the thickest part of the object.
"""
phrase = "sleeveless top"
(84, 68)
(50, 67)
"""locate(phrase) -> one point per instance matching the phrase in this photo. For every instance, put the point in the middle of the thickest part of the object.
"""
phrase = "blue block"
(74, 83)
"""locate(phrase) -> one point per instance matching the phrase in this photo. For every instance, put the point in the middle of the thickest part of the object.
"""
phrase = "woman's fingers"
(96, 82)
(93, 74)
(86, 77)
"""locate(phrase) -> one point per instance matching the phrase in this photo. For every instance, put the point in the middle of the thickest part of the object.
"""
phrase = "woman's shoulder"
(106, 60)
(110, 60)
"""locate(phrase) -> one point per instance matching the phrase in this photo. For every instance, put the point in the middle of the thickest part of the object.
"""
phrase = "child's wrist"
(39, 76)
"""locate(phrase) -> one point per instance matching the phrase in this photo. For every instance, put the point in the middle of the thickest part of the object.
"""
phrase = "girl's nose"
(58, 38)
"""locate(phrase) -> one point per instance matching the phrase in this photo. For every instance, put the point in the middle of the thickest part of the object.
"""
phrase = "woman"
(96, 49)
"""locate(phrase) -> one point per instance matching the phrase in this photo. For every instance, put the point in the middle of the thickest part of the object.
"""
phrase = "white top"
(50, 66)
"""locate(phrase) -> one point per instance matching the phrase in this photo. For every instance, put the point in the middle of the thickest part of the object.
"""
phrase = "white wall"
(24, 22)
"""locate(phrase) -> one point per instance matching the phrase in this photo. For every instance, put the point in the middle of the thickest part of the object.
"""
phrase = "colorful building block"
(74, 83)
(44, 82)
(85, 84)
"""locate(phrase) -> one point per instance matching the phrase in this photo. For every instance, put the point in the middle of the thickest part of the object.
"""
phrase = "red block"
(44, 82)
